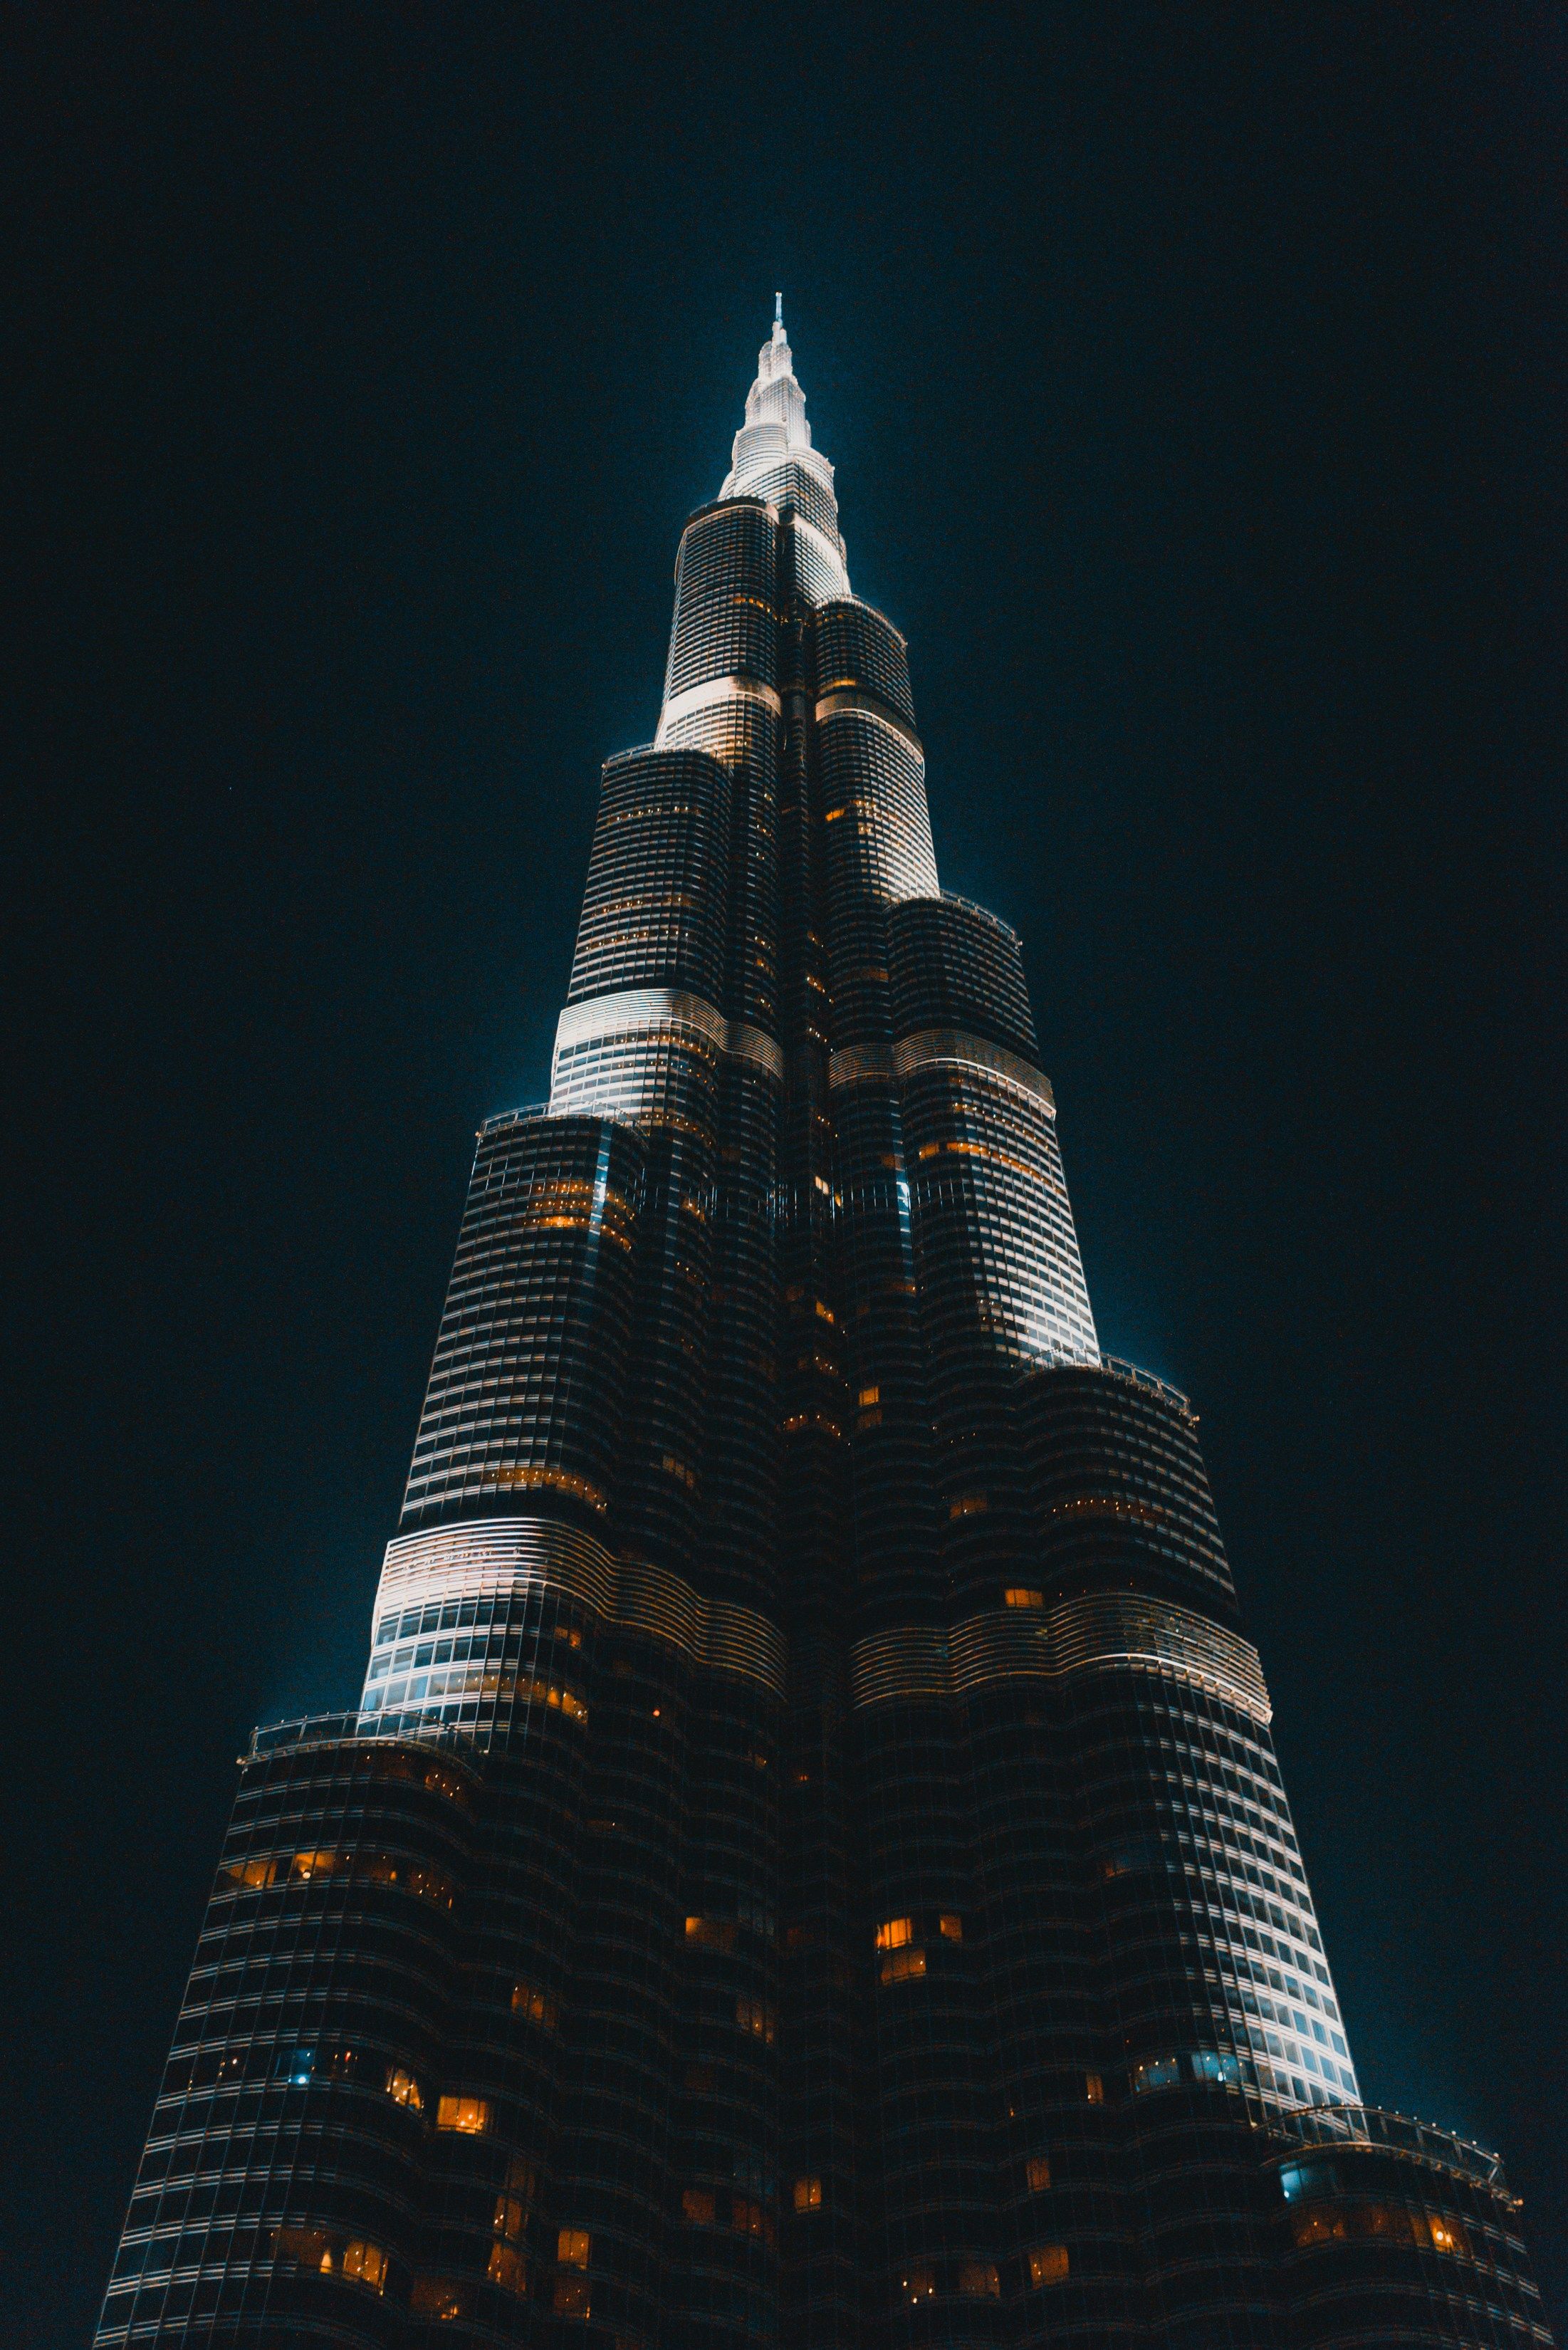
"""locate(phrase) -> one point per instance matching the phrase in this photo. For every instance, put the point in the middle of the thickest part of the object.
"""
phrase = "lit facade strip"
(489, 1556)
(872, 706)
(663, 1011)
(713, 689)
(936, 1047)
(1108, 1630)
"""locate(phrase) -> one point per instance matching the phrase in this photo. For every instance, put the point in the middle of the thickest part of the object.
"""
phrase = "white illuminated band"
(870, 705)
(663, 1012)
(955, 1049)
(1107, 1631)
(715, 690)
(501, 1556)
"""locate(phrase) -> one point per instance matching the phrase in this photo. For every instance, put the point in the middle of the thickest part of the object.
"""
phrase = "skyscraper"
(808, 1864)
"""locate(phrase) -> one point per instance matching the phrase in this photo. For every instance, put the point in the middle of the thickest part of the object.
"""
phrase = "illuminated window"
(509, 2216)
(438, 2297)
(254, 1873)
(894, 1933)
(756, 2016)
(980, 2278)
(1048, 2264)
(572, 2296)
(716, 1932)
(1448, 2236)
(749, 2218)
(1023, 1598)
(1094, 2088)
(902, 1966)
(920, 2282)
(309, 2248)
(367, 2262)
(950, 1926)
(470, 2114)
(506, 2268)
(306, 1865)
(572, 2248)
(697, 2206)
(868, 1395)
(404, 2089)
(1038, 2171)
(537, 2006)
(808, 2194)
(969, 1505)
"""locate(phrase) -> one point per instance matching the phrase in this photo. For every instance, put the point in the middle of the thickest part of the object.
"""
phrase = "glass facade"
(807, 1865)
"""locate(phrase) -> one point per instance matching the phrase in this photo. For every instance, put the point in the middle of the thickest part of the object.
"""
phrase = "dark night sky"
(1195, 378)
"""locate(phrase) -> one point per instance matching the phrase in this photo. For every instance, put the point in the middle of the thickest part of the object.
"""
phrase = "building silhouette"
(808, 1864)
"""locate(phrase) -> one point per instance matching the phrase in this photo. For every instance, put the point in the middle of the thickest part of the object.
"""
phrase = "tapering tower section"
(807, 1865)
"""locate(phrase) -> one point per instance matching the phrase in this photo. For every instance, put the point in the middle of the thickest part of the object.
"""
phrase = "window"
(949, 1925)
(756, 2016)
(980, 2278)
(1037, 2171)
(404, 2089)
(969, 1505)
(470, 2114)
(868, 1395)
(1094, 2088)
(1023, 1598)
(697, 2206)
(572, 2248)
(572, 2296)
(903, 1966)
(920, 2283)
(306, 1865)
(309, 2248)
(894, 1933)
(438, 2297)
(506, 2268)
(509, 2216)
(252, 1873)
(749, 2218)
(537, 2006)
(1048, 2264)
(366, 2262)
(717, 1933)
(808, 2194)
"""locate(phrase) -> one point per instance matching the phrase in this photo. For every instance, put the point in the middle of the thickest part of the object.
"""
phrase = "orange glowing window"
(808, 2194)
(573, 2246)
(1023, 1598)
(367, 2264)
(920, 2282)
(506, 2268)
(572, 2297)
(528, 2000)
(949, 1925)
(1094, 2088)
(894, 1933)
(969, 1505)
(717, 1933)
(1037, 2169)
(469, 2115)
(903, 1966)
(1048, 2264)
(404, 2089)
(508, 2220)
(868, 1395)
(981, 2279)
(754, 2016)
(438, 2297)
(254, 1873)
(306, 1865)
(698, 2206)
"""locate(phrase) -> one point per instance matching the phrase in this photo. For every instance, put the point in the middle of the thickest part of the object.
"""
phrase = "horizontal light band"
(1104, 1632)
(934, 1046)
(870, 705)
(516, 1554)
(712, 689)
(664, 1012)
